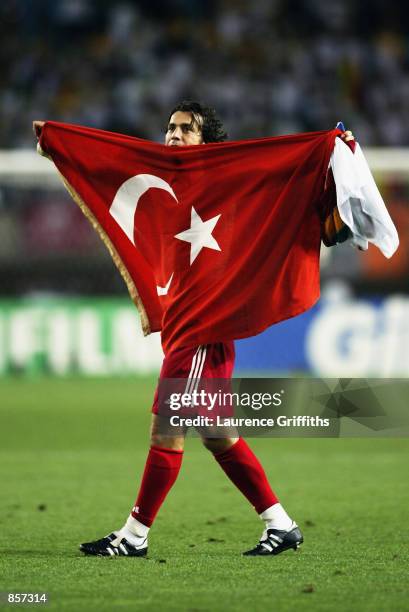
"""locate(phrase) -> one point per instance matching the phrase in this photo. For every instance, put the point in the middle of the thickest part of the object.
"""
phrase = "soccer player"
(191, 123)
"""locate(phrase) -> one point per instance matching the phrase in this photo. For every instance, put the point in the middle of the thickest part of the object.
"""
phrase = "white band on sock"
(276, 517)
(136, 527)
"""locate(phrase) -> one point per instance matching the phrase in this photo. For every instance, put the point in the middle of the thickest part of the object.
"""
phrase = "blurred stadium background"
(269, 67)
(74, 437)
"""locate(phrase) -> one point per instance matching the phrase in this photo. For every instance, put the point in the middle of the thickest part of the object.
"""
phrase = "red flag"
(216, 242)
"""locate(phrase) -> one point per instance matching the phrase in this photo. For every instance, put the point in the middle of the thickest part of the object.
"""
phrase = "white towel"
(359, 202)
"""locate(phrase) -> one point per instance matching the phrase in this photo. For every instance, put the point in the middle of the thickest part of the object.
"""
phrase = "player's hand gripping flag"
(334, 230)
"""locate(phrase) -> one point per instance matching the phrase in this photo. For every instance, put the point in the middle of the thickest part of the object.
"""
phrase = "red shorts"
(203, 362)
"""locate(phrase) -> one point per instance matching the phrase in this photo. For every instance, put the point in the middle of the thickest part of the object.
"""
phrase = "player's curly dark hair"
(205, 116)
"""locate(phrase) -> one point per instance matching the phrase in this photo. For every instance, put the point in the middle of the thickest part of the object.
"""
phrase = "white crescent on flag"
(126, 199)
(125, 203)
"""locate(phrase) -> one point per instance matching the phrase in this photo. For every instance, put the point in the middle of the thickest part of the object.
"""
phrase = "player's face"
(183, 130)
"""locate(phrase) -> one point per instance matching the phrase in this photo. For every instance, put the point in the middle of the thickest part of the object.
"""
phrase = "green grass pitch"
(71, 455)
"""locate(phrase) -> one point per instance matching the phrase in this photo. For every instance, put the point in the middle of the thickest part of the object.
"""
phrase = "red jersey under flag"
(216, 242)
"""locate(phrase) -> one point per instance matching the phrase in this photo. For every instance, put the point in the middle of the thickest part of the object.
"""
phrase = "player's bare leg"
(165, 435)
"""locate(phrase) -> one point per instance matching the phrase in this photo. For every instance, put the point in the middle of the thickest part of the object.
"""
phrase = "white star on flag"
(199, 235)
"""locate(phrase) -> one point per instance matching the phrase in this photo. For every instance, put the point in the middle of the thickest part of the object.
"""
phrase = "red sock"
(161, 470)
(246, 472)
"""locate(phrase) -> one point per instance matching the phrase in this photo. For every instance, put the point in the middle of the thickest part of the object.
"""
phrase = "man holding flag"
(215, 243)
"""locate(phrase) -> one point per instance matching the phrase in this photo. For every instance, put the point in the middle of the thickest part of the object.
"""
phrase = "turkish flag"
(216, 242)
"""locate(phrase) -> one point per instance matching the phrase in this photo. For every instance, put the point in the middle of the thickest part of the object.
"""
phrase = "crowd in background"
(268, 67)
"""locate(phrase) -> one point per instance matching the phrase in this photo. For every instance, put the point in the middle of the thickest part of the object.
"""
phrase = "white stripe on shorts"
(192, 369)
(198, 376)
(193, 366)
(196, 370)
